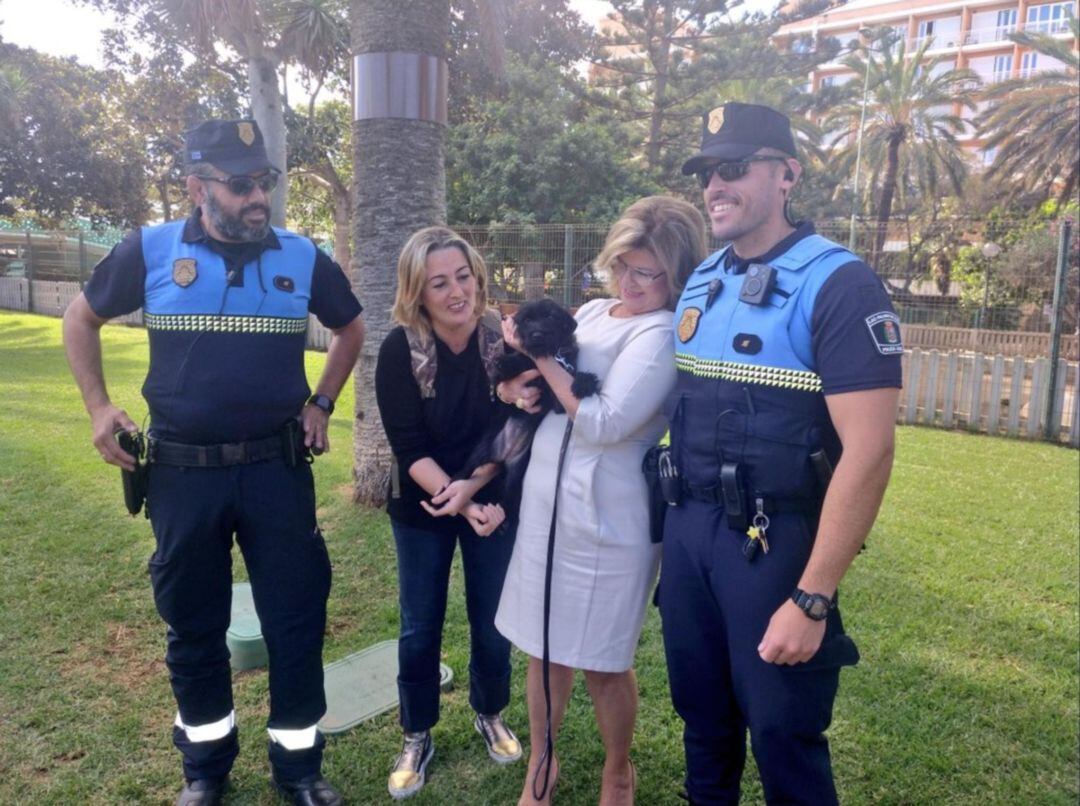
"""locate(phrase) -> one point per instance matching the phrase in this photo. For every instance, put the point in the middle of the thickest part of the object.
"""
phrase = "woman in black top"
(433, 387)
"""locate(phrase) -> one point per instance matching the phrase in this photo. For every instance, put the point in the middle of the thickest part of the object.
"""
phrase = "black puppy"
(545, 330)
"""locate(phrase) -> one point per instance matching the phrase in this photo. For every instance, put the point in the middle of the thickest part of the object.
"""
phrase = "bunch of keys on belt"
(756, 534)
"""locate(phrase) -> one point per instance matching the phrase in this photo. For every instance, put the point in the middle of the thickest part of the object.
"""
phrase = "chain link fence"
(976, 299)
(965, 284)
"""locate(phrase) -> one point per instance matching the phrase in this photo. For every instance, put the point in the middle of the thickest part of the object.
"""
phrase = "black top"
(444, 428)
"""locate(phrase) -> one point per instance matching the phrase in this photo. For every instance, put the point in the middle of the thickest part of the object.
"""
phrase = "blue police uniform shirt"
(753, 378)
(227, 324)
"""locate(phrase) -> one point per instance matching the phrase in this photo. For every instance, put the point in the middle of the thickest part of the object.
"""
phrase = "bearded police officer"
(788, 353)
(225, 299)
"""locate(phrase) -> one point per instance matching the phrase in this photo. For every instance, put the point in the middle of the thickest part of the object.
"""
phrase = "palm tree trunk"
(343, 213)
(269, 112)
(888, 190)
(400, 186)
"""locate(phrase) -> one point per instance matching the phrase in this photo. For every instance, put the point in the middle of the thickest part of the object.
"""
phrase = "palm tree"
(399, 179)
(909, 138)
(1034, 121)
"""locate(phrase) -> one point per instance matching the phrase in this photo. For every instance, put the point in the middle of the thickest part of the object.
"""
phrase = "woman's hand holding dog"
(516, 391)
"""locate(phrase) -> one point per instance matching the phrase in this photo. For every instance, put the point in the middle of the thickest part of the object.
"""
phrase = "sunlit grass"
(964, 607)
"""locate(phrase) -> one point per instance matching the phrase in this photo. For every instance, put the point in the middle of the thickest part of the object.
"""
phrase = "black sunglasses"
(732, 171)
(243, 185)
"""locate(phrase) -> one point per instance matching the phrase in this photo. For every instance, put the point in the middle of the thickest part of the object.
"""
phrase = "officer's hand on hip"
(105, 421)
(791, 637)
(315, 421)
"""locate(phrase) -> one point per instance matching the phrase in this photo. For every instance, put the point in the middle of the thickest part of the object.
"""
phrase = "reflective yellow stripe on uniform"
(803, 380)
(225, 324)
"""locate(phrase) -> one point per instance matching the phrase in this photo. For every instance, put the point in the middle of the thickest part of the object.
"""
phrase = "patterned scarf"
(423, 355)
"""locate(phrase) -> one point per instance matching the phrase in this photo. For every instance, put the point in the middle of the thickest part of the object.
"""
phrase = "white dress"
(604, 565)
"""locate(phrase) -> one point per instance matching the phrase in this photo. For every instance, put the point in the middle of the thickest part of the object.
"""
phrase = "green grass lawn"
(965, 608)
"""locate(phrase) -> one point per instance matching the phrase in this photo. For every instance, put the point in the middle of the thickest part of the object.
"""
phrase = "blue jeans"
(424, 559)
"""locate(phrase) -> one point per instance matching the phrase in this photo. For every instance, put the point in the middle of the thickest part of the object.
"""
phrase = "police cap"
(734, 131)
(233, 146)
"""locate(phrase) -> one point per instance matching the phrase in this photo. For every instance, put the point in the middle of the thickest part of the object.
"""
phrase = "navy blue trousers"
(424, 559)
(270, 508)
(715, 606)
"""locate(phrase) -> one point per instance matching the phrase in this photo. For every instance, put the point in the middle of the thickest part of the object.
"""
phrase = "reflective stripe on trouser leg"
(296, 760)
(209, 732)
(210, 749)
(301, 739)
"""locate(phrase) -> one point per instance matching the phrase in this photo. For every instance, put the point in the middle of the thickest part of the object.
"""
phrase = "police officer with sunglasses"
(225, 300)
(788, 352)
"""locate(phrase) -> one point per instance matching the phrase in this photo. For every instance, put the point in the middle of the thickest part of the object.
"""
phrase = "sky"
(62, 28)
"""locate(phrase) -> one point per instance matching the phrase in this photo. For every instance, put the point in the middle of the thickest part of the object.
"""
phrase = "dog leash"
(549, 744)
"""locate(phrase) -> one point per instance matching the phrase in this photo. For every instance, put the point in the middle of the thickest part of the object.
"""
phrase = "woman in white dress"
(604, 564)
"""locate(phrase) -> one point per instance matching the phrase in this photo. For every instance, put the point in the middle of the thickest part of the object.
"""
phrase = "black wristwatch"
(323, 402)
(816, 606)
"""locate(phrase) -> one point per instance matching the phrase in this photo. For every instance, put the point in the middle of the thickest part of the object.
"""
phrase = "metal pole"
(858, 153)
(1061, 275)
(82, 260)
(980, 323)
(29, 273)
(568, 264)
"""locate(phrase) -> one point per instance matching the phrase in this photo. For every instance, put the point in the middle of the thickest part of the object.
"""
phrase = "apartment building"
(972, 34)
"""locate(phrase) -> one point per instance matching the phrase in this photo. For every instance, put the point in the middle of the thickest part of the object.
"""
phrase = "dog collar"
(562, 361)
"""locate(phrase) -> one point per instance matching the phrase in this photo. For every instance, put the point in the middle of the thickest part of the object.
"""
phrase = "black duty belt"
(714, 494)
(226, 454)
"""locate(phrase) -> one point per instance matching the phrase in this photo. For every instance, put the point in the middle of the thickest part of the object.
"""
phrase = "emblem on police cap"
(688, 324)
(184, 272)
(716, 120)
(246, 132)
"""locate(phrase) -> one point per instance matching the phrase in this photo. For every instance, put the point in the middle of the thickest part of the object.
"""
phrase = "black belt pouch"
(650, 466)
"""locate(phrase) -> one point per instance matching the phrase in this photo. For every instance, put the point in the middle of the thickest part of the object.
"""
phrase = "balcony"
(983, 36)
(1049, 27)
(937, 42)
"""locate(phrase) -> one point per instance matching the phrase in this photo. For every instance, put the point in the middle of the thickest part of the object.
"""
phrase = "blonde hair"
(672, 229)
(412, 275)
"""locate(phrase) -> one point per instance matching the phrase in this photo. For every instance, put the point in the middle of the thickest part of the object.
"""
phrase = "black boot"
(312, 791)
(202, 792)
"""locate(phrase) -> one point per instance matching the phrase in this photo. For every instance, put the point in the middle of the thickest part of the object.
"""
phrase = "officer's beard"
(233, 227)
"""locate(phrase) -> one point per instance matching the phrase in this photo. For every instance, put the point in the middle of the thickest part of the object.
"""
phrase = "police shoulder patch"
(184, 271)
(884, 329)
(688, 324)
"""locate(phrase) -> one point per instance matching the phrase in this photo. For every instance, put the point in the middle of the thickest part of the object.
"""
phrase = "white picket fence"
(957, 389)
(990, 394)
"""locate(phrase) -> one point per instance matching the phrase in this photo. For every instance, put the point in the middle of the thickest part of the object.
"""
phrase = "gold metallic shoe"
(502, 745)
(407, 777)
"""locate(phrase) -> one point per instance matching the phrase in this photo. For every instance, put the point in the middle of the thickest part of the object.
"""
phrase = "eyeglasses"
(732, 171)
(641, 276)
(243, 185)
